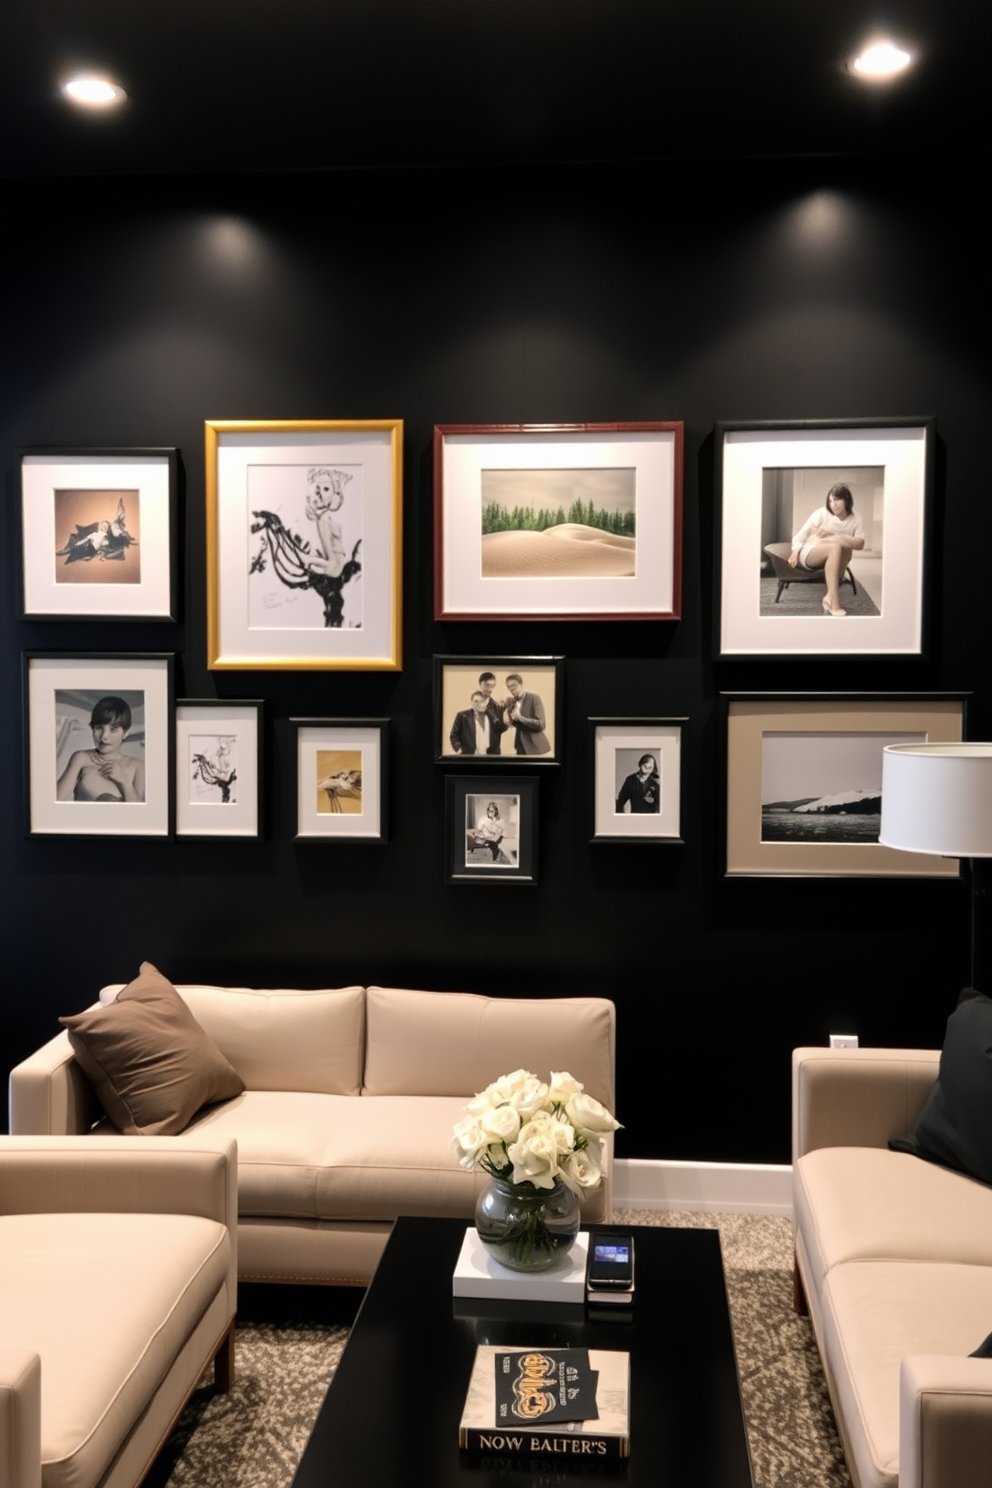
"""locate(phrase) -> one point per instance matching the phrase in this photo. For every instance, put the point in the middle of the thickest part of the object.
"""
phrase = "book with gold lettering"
(548, 1402)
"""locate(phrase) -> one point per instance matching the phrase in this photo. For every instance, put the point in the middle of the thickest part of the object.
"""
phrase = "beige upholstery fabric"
(20, 1418)
(875, 1315)
(286, 1040)
(456, 1043)
(341, 1252)
(945, 1438)
(860, 1203)
(106, 1300)
(859, 1100)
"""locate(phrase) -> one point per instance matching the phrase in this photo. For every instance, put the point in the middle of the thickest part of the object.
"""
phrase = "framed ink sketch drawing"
(304, 544)
(217, 768)
(558, 521)
(98, 534)
(823, 538)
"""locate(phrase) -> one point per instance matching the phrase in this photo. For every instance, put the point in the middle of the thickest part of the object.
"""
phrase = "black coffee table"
(391, 1414)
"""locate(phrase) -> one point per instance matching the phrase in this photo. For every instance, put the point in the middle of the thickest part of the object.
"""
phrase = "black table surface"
(391, 1414)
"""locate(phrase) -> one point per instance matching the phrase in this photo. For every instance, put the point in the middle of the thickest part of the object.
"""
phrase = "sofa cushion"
(862, 1203)
(456, 1043)
(874, 1315)
(955, 1125)
(151, 1063)
(107, 1300)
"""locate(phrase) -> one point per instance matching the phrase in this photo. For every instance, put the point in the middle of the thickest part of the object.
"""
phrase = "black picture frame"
(621, 809)
(70, 787)
(331, 750)
(542, 681)
(772, 479)
(513, 857)
(78, 560)
(219, 786)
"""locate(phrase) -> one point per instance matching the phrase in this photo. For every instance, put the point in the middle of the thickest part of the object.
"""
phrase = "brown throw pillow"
(151, 1063)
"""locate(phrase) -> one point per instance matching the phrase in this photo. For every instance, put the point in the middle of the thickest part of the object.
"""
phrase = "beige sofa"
(351, 1097)
(118, 1280)
(894, 1256)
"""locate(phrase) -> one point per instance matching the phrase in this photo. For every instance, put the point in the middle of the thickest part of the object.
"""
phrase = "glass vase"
(527, 1228)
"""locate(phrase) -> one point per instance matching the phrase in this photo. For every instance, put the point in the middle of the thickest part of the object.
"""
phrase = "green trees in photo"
(499, 518)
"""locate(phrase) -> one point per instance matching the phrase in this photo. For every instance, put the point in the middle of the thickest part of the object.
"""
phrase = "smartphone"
(611, 1262)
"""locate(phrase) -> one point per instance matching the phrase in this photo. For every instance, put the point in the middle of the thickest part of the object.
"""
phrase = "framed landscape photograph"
(341, 779)
(98, 744)
(636, 779)
(804, 780)
(217, 768)
(823, 537)
(558, 521)
(98, 534)
(304, 544)
(505, 709)
(490, 829)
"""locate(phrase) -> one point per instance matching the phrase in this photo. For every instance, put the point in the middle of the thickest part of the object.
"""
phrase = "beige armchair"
(118, 1278)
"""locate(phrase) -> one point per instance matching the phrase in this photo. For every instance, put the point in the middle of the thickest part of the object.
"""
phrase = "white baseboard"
(705, 1188)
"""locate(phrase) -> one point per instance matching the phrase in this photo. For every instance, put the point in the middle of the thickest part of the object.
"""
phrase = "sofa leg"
(799, 1302)
(224, 1362)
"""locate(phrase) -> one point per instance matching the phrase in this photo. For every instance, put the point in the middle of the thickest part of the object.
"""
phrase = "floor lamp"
(937, 798)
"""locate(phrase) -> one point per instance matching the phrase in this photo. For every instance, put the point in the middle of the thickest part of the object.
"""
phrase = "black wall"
(139, 308)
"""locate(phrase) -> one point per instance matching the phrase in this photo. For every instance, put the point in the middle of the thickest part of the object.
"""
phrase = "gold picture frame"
(304, 544)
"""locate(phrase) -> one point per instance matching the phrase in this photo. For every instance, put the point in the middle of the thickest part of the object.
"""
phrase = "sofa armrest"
(857, 1097)
(20, 1418)
(945, 1422)
(49, 1094)
(120, 1175)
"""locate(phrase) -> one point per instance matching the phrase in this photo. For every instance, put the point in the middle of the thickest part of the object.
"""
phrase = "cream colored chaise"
(894, 1255)
(118, 1279)
(347, 1117)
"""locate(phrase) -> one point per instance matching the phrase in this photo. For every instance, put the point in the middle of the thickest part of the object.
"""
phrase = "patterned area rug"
(807, 599)
(289, 1341)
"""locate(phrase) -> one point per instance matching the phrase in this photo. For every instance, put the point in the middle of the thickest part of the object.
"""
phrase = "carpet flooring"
(289, 1341)
(807, 599)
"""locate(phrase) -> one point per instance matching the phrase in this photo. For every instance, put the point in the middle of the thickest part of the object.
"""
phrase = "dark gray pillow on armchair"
(955, 1125)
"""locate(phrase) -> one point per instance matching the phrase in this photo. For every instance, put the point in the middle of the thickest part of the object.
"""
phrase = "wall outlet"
(843, 1041)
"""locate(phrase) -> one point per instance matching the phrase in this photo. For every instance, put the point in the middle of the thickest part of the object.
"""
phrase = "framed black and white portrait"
(491, 829)
(492, 711)
(636, 779)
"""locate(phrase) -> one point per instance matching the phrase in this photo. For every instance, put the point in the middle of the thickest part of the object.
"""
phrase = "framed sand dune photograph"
(558, 521)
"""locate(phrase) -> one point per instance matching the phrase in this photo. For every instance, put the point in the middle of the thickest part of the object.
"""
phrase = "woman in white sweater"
(827, 540)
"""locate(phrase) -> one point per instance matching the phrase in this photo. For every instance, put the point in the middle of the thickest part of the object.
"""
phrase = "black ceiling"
(234, 85)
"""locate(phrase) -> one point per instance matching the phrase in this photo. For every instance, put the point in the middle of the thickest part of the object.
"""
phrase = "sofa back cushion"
(456, 1043)
(281, 1039)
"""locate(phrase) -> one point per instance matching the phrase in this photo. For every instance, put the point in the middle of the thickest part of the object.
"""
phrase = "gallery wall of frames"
(500, 539)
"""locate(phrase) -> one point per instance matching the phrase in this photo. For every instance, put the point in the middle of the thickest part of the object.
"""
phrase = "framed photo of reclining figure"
(304, 544)
(98, 534)
(341, 779)
(823, 543)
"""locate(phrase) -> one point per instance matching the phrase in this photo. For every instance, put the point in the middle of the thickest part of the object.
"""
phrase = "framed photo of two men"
(498, 710)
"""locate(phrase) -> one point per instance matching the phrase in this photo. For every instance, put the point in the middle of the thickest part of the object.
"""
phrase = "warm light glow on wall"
(93, 92)
(881, 60)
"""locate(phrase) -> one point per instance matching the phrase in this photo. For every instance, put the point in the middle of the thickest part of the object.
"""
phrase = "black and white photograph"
(491, 829)
(502, 708)
(98, 744)
(304, 523)
(804, 780)
(217, 768)
(636, 779)
(823, 787)
(821, 541)
(341, 776)
(98, 530)
(561, 521)
(823, 538)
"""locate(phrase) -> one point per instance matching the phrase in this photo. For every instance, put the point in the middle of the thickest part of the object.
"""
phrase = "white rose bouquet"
(524, 1131)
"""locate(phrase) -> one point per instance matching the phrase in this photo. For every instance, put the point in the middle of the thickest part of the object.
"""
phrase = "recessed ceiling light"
(883, 59)
(93, 92)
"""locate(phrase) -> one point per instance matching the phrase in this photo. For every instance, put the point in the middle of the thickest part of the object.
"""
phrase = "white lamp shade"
(937, 798)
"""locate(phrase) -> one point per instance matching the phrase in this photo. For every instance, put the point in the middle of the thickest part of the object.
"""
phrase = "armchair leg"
(224, 1362)
(799, 1302)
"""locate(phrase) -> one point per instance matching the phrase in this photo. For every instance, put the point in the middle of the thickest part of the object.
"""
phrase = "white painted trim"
(701, 1187)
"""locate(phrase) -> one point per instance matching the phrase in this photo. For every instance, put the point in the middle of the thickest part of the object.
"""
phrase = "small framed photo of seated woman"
(636, 785)
(491, 829)
(98, 745)
(823, 537)
(341, 775)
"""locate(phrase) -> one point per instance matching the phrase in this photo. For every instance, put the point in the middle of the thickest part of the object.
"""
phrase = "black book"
(549, 1385)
